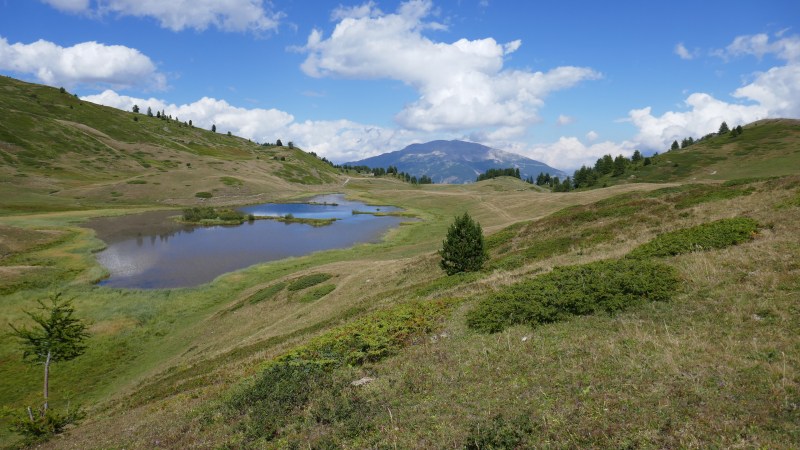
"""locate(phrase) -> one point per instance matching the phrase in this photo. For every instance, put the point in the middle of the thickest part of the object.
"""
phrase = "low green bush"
(718, 234)
(317, 293)
(40, 426)
(312, 373)
(266, 293)
(499, 433)
(201, 213)
(602, 286)
(306, 281)
(203, 195)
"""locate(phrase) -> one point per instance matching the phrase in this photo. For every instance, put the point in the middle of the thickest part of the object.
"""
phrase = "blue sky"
(562, 82)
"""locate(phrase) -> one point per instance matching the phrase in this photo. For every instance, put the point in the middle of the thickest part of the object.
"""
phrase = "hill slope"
(455, 161)
(60, 152)
(769, 147)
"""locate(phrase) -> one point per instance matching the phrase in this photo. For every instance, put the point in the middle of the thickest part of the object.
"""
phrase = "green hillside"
(640, 315)
(765, 148)
(58, 152)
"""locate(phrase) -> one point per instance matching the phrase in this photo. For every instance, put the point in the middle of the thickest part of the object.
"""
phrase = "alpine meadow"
(642, 295)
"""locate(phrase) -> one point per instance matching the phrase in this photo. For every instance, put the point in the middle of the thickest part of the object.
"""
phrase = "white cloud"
(564, 120)
(569, 153)
(683, 52)
(759, 45)
(774, 93)
(69, 5)
(338, 140)
(777, 90)
(704, 116)
(592, 136)
(84, 63)
(368, 9)
(462, 85)
(176, 15)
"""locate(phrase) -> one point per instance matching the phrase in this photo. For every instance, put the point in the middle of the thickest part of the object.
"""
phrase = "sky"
(561, 82)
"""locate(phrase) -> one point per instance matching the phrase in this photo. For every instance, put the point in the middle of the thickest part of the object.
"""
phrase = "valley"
(268, 356)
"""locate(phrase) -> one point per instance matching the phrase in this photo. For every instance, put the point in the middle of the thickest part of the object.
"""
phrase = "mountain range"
(455, 161)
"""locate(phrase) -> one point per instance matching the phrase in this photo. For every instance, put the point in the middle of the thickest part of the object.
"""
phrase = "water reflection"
(152, 251)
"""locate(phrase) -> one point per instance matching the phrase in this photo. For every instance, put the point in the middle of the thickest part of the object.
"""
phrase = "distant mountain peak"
(455, 161)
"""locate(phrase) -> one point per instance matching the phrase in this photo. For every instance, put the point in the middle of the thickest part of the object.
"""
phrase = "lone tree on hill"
(58, 336)
(723, 128)
(463, 249)
(279, 143)
(149, 112)
(136, 109)
(213, 128)
(674, 145)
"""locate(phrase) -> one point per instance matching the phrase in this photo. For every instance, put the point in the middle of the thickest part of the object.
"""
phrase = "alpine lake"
(153, 251)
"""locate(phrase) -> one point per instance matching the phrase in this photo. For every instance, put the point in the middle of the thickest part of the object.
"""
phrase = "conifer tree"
(463, 250)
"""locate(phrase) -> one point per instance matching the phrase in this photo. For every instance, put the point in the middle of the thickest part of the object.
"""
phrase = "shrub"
(463, 250)
(307, 281)
(230, 215)
(718, 234)
(289, 382)
(42, 425)
(199, 213)
(499, 434)
(606, 286)
(203, 195)
(317, 293)
(266, 293)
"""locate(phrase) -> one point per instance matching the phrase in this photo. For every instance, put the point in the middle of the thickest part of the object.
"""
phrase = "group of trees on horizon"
(390, 171)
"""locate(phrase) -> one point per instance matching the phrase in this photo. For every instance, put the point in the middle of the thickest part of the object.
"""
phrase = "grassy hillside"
(638, 315)
(765, 148)
(58, 152)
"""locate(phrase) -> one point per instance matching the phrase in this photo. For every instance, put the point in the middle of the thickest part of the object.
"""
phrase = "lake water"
(151, 250)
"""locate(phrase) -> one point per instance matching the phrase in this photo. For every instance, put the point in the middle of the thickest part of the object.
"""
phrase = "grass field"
(713, 364)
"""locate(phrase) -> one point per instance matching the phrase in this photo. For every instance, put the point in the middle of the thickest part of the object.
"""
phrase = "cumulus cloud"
(759, 45)
(462, 85)
(564, 120)
(85, 63)
(774, 93)
(568, 152)
(683, 52)
(176, 15)
(338, 140)
(69, 5)
(592, 136)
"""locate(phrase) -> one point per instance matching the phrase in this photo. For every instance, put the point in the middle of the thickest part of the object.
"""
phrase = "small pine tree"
(213, 128)
(149, 112)
(637, 156)
(723, 128)
(675, 145)
(279, 143)
(135, 109)
(463, 250)
(57, 337)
